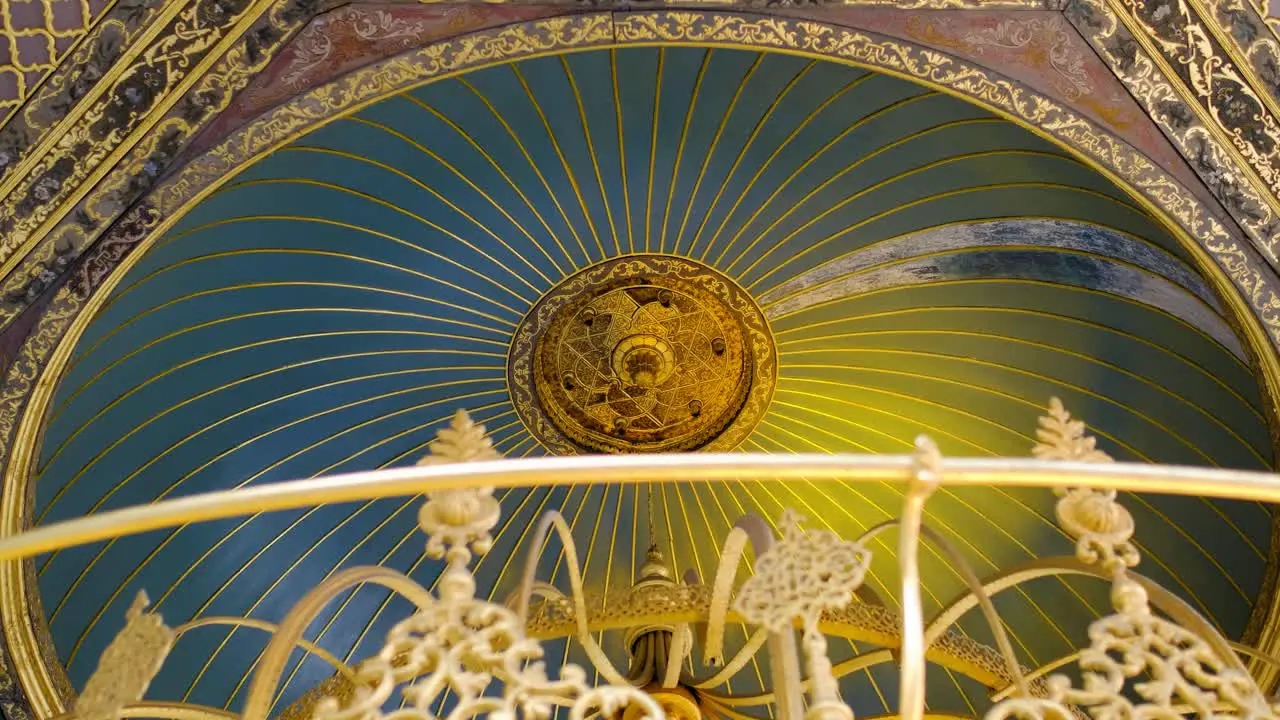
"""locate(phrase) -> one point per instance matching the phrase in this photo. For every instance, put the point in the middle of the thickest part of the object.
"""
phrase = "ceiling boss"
(643, 353)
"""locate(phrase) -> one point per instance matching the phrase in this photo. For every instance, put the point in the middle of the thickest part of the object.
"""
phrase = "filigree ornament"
(128, 665)
(1139, 666)
(1101, 526)
(459, 521)
(1169, 670)
(464, 440)
(807, 572)
(459, 657)
(642, 353)
(1029, 708)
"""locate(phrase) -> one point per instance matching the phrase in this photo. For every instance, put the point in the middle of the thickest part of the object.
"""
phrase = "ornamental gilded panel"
(171, 196)
(125, 137)
(1250, 206)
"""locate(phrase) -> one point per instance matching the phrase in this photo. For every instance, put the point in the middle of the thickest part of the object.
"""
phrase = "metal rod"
(614, 469)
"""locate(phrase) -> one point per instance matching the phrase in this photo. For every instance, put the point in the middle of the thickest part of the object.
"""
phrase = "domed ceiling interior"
(925, 267)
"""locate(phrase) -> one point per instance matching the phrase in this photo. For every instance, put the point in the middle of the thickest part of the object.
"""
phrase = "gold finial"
(464, 440)
(1062, 438)
(654, 569)
(1101, 526)
(458, 522)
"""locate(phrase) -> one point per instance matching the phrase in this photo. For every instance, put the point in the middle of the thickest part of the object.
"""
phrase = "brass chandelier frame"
(459, 656)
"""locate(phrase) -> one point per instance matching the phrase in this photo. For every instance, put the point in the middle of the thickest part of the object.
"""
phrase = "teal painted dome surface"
(925, 266)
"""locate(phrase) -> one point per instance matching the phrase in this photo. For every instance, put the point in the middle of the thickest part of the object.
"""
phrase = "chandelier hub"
(644, 353)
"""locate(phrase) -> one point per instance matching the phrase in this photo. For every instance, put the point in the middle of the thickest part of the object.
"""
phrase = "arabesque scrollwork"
(23, 402)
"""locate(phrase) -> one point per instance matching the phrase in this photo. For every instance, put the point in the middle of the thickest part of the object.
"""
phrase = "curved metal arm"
(839, 670)
(984, 601)
(615, 469)
(549, 520)
(1072, 657)
(261, 690)
(785, 660)
(976, 592)
(739, 661)
(721, 589)
(681, 647)
(342, 668)
(167, 711)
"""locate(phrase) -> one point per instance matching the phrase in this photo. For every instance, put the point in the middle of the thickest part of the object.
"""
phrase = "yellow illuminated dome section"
(644, 353)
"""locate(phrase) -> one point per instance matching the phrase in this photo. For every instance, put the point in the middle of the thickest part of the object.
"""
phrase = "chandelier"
(460, 656)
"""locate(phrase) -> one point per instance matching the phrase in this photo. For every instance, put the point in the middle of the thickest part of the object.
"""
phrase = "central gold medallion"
(644, 353)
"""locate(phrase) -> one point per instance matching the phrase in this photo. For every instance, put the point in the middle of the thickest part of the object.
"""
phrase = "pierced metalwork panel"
(643, 353)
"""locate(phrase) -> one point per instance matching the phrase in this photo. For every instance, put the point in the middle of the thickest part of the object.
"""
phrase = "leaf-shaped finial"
(463, 440)
(1062, 438)
(457, 521)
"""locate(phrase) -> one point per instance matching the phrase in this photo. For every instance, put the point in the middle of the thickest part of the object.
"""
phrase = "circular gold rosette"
(643, 353)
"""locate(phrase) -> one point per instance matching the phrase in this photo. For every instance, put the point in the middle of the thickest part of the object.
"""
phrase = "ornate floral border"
(1215, 152)
(142, 87)
(32, 377)
(145, 92)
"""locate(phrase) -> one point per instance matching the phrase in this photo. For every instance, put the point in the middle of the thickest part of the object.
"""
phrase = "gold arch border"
(1234, 272)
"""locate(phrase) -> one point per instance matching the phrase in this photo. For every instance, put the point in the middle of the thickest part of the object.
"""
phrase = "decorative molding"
(1115, 158)
(1244, 34)
(350, 37)
(1183, 44)
(731, 384)
(1249, 204)
(83, 76)
(126, 137)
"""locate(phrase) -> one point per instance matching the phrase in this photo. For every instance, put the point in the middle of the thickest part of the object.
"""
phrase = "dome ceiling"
(924, 267)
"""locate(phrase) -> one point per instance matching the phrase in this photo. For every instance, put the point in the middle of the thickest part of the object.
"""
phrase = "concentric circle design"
(644, 353)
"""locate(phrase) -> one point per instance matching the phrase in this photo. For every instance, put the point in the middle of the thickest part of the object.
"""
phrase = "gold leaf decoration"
(807, 572)
(1101, 526)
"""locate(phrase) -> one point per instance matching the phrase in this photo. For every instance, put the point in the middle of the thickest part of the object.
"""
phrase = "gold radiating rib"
(769, 160)
(1012, 281)
(591, 152)
(226, 537)
(1211, 417)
